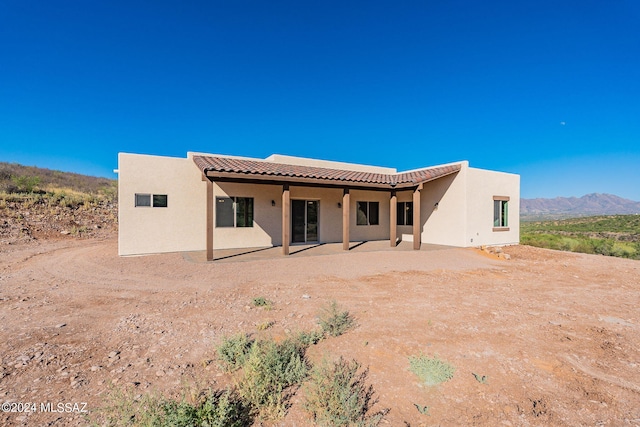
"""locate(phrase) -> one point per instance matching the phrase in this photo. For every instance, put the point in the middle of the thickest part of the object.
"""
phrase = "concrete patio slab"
(306, 250)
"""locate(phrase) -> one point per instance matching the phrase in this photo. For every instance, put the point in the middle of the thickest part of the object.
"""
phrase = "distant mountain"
(565, 207)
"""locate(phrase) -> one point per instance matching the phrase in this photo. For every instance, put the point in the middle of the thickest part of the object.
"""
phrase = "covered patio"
(222, 169)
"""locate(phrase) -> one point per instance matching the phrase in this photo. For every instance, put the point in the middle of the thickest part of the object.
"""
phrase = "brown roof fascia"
(300, 182)
(273, 173)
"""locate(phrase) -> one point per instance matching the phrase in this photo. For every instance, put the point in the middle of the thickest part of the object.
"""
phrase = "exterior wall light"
(339, 205)
(273, 203)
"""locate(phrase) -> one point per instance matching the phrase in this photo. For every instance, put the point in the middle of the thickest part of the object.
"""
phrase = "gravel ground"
(556, 334)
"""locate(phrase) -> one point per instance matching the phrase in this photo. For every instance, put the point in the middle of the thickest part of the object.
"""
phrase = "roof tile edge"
(461, 163)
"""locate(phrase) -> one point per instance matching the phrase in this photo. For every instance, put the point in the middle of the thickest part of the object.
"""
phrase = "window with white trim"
(148, 200)
(368, 213)
(500, 213)
(234, 211)
(405, 213)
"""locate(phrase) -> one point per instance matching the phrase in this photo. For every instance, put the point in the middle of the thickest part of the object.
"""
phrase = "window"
(500, 213)
(159, 200)
(234, 211)
(368, 213)
(144, 200)
(405, 213)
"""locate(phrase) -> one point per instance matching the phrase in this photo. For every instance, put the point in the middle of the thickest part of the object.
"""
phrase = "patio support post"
(393, 218)
(416, 217)
(345, 219)
(286, 209)
(209, 210)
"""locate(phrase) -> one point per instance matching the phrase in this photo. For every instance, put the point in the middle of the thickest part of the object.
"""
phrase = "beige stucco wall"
(444, 224)
(178, 227)
(369, 232)
(267, 229)
(482, 186)
(303, 161)
(463, 217)
(330, 215)
(267, 219)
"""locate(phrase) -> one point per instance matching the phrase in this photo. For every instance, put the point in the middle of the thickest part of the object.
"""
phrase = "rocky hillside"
(588, 205)
(38, 203)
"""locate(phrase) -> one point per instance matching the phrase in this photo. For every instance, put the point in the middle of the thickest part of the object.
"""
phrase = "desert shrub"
(308, 338)
(122, 408)
(262, 302)
(270, 373)
(219, 409)
(233, 351)
(26, 184)
(585, 246)
(603, 247)
(337, 395)
(568, 244)
(334, 321)
(623, 250)
(72, 199)
(611, 235)
(9, 187)
(431, 370)
(263, 326)
(222, 408)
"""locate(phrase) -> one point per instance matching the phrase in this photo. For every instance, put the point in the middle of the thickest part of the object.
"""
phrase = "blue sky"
(546, 89)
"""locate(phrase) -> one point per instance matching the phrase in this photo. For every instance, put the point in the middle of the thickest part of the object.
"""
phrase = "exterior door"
(304, 221)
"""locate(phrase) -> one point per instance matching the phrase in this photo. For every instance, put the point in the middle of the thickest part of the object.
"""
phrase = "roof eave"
(239, 177)
(415, 183)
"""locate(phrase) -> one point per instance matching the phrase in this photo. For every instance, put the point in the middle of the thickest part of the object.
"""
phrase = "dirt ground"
(556, 334)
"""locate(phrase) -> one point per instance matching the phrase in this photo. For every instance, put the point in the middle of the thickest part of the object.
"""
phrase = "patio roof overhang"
(224, 169)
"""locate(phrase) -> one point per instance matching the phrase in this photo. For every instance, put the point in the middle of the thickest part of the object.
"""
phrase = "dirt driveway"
(557, 335)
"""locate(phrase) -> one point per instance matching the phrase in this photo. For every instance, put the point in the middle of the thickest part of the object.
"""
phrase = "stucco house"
(205, 202)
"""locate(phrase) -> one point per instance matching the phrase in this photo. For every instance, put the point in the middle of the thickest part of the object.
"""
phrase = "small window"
(368, 213)
(500, 213)
(405, 213)
(159, 200)
(143, 200)
(234, 211)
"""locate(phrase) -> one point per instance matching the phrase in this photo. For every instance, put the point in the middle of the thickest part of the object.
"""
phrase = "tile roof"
(247, 168)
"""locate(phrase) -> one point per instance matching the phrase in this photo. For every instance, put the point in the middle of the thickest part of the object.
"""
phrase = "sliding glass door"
(304, 221)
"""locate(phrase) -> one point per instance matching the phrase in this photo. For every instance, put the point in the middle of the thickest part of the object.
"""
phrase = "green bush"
(26, 184)
(431, 370)
(337, 395)
(233, 351)
(612, 235)
(215, 409)
(270, 373)
(334, 321)
(623, 250)
(261, 302)
(224, 409)
(309, 338)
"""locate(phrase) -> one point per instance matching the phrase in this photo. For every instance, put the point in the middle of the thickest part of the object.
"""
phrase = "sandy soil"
(556, 334)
